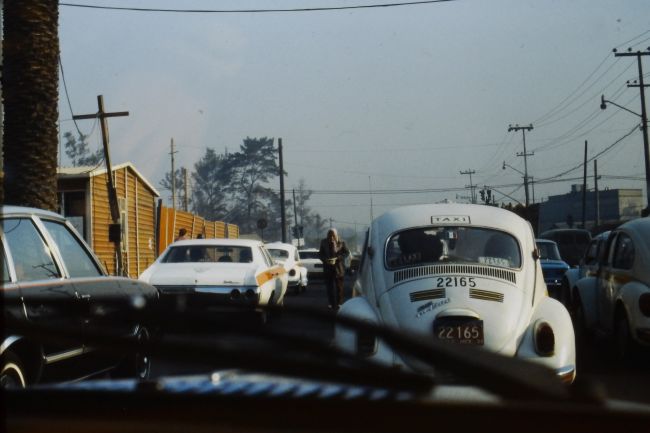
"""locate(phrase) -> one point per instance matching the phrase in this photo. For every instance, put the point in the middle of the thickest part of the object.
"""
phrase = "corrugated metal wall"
(172, 221)
(139, 204)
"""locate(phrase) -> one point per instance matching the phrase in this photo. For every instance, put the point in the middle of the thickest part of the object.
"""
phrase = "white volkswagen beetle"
(287, 255)
(217, 272)
(613, 298)
(464, 274)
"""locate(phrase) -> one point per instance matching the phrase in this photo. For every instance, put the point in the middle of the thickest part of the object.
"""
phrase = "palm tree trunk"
(31, 92)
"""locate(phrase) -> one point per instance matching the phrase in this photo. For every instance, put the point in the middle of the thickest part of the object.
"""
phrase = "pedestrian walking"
(182, 235)
(333, 252)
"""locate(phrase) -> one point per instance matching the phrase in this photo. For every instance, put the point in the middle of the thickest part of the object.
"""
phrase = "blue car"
(553, 267)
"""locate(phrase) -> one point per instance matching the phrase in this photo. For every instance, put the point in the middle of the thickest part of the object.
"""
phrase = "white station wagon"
(287, 255)
(463, 274)
(218, 272)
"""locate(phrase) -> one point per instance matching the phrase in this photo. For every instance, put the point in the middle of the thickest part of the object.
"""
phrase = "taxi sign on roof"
(450, 219)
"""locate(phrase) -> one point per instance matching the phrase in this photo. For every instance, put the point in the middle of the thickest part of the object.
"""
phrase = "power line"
(539, 121)
(230, 11)
(67, 96)
(608, 148)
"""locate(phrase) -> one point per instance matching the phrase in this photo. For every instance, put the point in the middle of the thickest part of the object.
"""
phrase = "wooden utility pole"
(523, 130)
(584, 190)
(185, 184)
(596, 191)
(644, 119)
(283, 214)
(115, 231)
(471, 185)
(172, 152)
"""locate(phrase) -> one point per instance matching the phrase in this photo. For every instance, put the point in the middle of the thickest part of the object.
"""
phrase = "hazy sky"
(382, 99)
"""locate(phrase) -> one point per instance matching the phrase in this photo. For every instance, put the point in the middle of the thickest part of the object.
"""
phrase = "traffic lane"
(296, 325)
(595, 361)
(621, 380)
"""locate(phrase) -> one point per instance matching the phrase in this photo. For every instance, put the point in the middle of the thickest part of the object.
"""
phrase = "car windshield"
(278, 253)
(429, 245)
(208, 253)
(309, 255)
(548, 251)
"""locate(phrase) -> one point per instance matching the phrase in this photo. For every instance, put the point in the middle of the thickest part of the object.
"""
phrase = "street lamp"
(522, 175)
(646, 150)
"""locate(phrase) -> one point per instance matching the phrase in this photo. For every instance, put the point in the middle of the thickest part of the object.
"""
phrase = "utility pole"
(172, 152)
(597, 194)
(185, 184)
(115, 231)
(644, 119)
(283, 215)
(370, 191)
(471, 185)
(584, 191)
(523, 130)
(295, 217)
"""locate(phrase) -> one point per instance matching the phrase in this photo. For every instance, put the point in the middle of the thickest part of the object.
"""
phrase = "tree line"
(237, 187)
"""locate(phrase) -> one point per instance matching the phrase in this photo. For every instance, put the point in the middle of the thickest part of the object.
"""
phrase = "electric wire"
(589, 99)
(277, 10)
(67, 96)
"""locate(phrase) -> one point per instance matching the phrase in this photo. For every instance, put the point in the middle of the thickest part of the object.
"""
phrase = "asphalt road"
(620, 381)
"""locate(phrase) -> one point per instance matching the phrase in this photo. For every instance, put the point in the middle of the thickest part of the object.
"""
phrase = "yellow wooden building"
(147, 226)
(83, 200)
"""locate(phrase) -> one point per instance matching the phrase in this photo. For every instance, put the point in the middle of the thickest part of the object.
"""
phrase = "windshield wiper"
(507, 377)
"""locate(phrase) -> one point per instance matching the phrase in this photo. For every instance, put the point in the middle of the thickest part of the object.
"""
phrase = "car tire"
(624, 345)
(297, 290)
(12, 374)
(565, 295)
(136, 366)
(579, 321)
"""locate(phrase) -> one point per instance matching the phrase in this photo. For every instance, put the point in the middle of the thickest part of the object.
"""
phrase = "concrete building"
(616, 205)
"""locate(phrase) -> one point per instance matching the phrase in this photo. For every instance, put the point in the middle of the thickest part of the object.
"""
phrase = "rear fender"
(629, 298)
(552, 312)
(346, 339)
(587, 291)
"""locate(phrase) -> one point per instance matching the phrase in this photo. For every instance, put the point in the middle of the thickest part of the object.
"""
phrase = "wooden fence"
(170, 221)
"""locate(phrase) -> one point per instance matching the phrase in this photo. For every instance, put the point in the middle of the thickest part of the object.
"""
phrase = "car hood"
(502, 306)
(212, 274)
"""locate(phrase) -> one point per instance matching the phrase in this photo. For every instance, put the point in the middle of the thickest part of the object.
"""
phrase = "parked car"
(355, 260)
(553, 267)
(287, 255)
(217, 274)
(310, 258)
(463, 274)
(615, 300)
(51, 278)
(588, 266)
(572, 243)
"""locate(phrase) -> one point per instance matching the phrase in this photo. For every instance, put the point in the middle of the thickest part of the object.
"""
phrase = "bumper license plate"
(459, 331)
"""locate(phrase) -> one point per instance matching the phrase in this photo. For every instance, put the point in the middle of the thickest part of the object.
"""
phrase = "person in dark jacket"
(333, 252)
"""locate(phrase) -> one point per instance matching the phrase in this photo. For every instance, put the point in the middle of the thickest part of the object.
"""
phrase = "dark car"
(553, 267)
(51, 279)
(572, 243)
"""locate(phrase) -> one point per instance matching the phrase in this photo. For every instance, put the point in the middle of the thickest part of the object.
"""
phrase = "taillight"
(644, 304)
(544, 339)
(366, 343)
